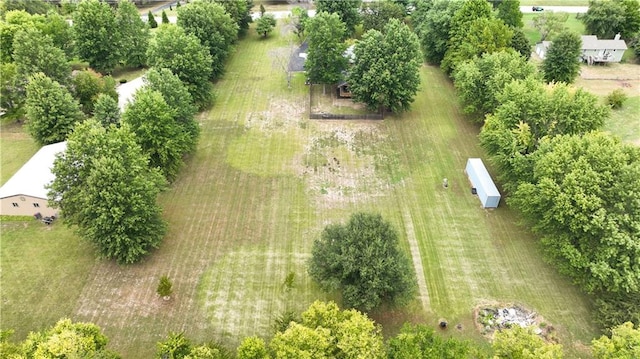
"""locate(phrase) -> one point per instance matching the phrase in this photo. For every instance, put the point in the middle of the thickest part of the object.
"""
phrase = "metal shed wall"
(482, 182)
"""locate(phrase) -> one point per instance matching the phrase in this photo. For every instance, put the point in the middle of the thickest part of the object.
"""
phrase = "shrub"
(164, 287)
(616, 99)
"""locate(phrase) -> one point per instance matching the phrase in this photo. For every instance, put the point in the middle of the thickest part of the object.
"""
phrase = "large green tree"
(34, 52)
(216, 30)
(177, 97)
(157, 131)
(363, 260)
(522, 343)
(105, 187)
(88, 84)
(375, 15)
(177, 346)
(67, 340)
(133, 35)
(386, 70)
(265, 24)
(583, 199)
(51, 110)
(240, 12)
(106, 110)
(432, 23)
(420, 341)
(624, 343)
(347, 10)
(470, 12)
(550, 23)
(509, 12)
(325, 59)
(183, 54)
(612, 309)
(96, 35)
(327, 332)
(529, 111)
(607, 18)
(561, 62)
(479, 81)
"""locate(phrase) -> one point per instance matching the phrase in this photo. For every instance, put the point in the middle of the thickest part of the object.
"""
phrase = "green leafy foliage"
(96, 35)
(240, 12)
(616, 98)
(252, 348)
(88, 85)
(165, 18)
(157, 131)
(432, 23)
(612, 309)
(12, 89)
(385, 73)
(375, 15)
(177, 96)
(216, 30)
(165, 287)
(624, 343)
(106, 110)
(522, 343)
(265, 24)
(529, 111)
(327, 332)
(561, 61)
(550, 23)
(185, 57)
(347, 10)
(59, 30)
(479, 81)
(68, 340)
(325, 60)
(34, 52)
(104, 186)
(151, 20)
(420, 341)
(509, 12)
(583, 199)
(51, 110)
(605, 19)
(363, 260)
(520, 43)
(177, 346)
(133, 34)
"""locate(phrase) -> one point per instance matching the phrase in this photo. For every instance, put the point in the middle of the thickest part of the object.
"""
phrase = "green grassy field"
(624, 122)
(533, 35)
(261, 186)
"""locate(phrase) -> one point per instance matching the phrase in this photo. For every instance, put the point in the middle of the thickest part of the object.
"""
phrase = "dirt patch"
(603, 79)
(493, 317)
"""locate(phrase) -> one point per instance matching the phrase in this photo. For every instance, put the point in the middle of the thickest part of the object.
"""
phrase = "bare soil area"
(603, 79)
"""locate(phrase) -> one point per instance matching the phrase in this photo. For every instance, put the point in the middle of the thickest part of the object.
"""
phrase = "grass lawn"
(624, 122)
(260, 188)
(533, 34)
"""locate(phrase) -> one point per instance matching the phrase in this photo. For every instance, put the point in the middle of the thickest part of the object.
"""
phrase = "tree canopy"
(265, 24)
(51, 110)
(432, 23)
(624, 343)
(363, 260)
(605, 19)
(88, 84)
(529, 111)
(133, 35)
(325, 57)
(240, 12)
(216, 30)
(183, 54)
(420, 341)
(35, 52)
(375, 15)
(479, 81)
(509, 12)
(104, 186)
(96, 35)
(386, 70)
(522, 343)
(347, 10)
(157, 131)
(561, 61)
(550, 23)
(583, 199)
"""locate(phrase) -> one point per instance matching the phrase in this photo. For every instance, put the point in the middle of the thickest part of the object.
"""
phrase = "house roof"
(31, 179)
(591, 42)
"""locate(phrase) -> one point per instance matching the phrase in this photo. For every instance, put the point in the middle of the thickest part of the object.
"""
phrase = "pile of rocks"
(494, 318)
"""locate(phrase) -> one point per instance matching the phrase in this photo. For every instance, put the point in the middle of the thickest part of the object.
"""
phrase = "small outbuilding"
(482, 184)
(25, 194)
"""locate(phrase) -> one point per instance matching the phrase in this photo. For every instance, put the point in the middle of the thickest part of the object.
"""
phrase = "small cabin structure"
(342, 90)
(25, 194)
(482, 184)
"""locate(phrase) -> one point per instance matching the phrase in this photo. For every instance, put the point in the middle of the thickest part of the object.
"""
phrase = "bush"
(164, 287)
(616, 99)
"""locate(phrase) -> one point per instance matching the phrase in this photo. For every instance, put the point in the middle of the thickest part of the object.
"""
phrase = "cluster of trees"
(384, 73)
(576, 186)
(609, 18)
(322, 331)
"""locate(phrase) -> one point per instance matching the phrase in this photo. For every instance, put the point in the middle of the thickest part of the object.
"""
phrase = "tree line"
(321, 331)
(574, 184)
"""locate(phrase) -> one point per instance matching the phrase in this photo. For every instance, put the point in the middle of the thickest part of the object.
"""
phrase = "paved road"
(568, 9)
(127, 90)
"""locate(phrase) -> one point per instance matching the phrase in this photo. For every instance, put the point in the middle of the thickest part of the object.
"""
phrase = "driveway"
(127, 90)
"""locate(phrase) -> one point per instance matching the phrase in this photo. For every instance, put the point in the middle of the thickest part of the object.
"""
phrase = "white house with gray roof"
(593, 49)
(25, 194)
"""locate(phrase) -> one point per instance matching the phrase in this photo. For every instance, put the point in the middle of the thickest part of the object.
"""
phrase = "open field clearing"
(260, 188)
